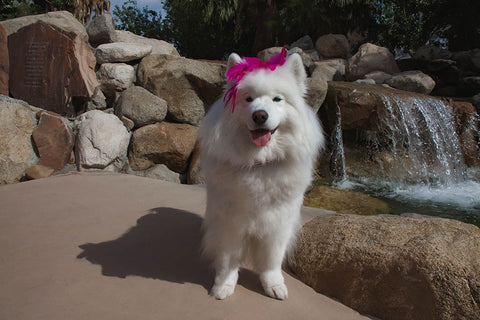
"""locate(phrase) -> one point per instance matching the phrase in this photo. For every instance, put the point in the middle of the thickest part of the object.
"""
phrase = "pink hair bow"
(236, 73)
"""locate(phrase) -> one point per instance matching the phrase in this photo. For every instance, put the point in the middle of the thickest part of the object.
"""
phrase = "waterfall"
(401, 145)
(423, 131)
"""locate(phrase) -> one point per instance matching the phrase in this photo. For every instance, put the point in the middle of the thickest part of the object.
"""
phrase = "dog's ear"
(295, 64)
(233, 59)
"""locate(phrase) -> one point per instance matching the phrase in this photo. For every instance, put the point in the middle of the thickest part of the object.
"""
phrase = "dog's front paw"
(220, 292)
(278, 291)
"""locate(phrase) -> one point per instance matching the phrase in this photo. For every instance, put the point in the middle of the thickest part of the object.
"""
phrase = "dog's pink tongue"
(261, 137)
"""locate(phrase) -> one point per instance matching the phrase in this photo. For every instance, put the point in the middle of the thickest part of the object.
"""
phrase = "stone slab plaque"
(50, 68)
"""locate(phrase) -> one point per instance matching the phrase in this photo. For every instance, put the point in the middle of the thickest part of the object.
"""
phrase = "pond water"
(459, 201)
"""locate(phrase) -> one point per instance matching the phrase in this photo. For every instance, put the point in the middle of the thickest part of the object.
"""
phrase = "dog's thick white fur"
(256, 179)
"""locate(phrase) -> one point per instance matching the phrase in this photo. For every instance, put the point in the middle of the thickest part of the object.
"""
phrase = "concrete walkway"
(112, 246)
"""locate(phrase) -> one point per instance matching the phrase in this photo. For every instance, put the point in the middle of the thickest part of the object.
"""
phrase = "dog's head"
(263, 117)
(265, 98)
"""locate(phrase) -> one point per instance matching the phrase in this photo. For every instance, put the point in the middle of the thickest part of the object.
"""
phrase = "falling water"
(420, 155)
(338, 166)
(423, 131)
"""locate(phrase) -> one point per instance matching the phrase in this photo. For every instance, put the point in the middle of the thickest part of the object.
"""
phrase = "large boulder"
(121, 52)
(17, 122)
(431, 52)
(316, 93)
(304, 43)
(188, 86)
(52, 68)
(115, 78)
(4, 61)
(369, 58)
(413, 81)
(308, 57)
(162, 143)
(101, 30)
(393, 267)
(63, 20)
(102, 141)
(158, 46)
(54, 140)
(329, 70)
(333, 46)
(141, 106)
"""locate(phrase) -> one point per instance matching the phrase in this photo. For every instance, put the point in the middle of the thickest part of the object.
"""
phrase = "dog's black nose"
(260, 116)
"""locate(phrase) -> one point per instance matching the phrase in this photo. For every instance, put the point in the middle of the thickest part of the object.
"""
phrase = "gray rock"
(369, 58)
(413, 81)
(393, 267)
(141, 106)
(307, 57)
(431, 52)
(158, 46)
(98, 100)
(102, 141)
(121, 52)
(16, 151)
(366, 81)
(189, 86)
(114, 78)
(328, 70)
(333, 46)
(101, 30)
(266, 54)
(304, 43)
(316, 92)
(378, 76)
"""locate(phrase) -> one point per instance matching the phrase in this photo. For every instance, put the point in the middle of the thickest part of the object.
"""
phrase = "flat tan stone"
(113, 246)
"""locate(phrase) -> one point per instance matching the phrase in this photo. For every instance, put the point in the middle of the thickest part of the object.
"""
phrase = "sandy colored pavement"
(112, 246)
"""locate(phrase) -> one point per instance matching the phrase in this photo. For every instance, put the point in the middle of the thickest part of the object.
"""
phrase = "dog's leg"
(224, 246)
(226, 277)
(268, 253)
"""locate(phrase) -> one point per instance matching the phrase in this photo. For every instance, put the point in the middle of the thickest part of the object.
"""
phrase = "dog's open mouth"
(261, 136)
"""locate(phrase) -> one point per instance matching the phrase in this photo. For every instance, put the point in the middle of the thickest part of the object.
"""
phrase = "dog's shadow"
(164, 244)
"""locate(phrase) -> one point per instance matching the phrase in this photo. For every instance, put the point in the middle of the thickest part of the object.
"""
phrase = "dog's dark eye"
(249, 99)
(277, 99)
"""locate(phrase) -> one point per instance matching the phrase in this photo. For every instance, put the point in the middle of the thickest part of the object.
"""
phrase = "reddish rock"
(162, 143)
(4, 62)
(53, 68)
(465, 126)
(54, 141)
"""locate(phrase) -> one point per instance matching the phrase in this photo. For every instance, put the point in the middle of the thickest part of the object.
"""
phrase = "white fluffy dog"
(258, 152)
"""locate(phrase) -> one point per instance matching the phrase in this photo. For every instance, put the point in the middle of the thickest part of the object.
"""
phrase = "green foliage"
(17, 8)
(202, 29)
(213, 28)
(144, 22)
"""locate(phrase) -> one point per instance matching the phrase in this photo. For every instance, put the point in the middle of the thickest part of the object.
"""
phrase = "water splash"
(419, 154)
(423, 131)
